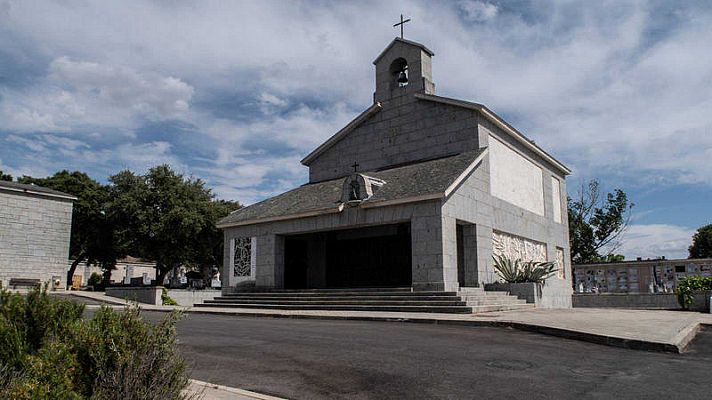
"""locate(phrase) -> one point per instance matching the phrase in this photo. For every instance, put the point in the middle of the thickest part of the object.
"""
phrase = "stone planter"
(701, 301)
(146, 294)
(554, 293)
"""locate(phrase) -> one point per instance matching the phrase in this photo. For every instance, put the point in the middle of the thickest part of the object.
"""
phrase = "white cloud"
(618, 89)
(656, 240)
(80, 94)
(478, 10)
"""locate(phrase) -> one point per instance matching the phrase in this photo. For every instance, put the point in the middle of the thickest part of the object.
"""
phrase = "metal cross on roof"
(401, 23)
(355, 166)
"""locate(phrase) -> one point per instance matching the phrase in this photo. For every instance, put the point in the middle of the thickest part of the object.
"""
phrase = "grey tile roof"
(403, 182)
(34, 189)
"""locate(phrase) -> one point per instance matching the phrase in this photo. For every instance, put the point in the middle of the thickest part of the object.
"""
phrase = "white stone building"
(418, 191)
(35, 229)
(126, 269)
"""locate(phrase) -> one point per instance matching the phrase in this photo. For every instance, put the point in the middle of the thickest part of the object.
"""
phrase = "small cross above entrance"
(401, 23)
(355, 166)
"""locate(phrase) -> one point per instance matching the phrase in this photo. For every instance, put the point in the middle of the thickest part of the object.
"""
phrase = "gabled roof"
(486, 112)
(406, 41)
(34, 190)
(426, 180)
(501, 123)
(361, 118)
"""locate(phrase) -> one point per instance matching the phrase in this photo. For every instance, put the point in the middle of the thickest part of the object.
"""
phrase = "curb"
(232, 390)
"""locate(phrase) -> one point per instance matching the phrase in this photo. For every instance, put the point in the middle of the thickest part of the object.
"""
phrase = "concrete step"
(336, 293)
(501, 307)
(482, 293)
(344, 297)
(478, 297)
(514, 301)
(454, 302)
(334, 290)
(320, 307)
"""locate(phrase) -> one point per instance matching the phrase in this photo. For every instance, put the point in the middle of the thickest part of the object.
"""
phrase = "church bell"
(402, 77)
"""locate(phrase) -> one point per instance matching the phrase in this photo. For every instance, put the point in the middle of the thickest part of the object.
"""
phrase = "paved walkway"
(655, 330)
(210, 391)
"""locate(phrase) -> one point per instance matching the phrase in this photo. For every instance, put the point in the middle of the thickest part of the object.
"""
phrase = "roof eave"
(255, 221)
(355, 123)
(461, 178)
(398, 39)
(40, 193)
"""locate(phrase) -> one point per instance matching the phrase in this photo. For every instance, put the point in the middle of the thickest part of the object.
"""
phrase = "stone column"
(427, 253)
(270, 261)
(450, 281)
(485, 271)
(434, 253)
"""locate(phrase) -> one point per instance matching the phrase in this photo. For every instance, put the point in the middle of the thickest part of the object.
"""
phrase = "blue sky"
(236, 93)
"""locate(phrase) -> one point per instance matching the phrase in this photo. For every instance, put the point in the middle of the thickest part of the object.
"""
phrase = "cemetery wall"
(650, 301)
(643, 276)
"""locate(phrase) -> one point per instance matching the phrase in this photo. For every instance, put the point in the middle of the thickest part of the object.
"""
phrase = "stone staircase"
(466, 301)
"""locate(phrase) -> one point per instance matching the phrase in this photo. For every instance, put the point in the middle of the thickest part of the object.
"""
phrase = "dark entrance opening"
(377, 256)
(296, 265)
(460, 237)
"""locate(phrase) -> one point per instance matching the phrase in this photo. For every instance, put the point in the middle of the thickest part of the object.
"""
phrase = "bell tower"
(404, 67)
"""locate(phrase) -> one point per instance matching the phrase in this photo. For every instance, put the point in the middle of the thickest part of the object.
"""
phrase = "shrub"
(687, 287)
(518, 271)
(95, 280)
(47, 351)
(167, 300)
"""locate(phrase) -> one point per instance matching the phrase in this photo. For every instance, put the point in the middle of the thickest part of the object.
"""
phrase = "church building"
(418, 191)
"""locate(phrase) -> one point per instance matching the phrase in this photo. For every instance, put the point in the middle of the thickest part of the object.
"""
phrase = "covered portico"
(372, 229)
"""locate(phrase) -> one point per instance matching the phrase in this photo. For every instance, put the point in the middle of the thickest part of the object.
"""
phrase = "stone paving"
(209, 391)
(669, 331)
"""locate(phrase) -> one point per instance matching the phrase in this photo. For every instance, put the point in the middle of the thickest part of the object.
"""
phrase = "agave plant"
(507, 268)
(518, 271)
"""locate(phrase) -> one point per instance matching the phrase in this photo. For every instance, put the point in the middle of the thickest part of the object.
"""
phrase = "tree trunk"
(161, 273)
(72, 268)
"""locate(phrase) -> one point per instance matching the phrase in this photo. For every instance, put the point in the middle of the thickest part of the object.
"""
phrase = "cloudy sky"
(236, 93)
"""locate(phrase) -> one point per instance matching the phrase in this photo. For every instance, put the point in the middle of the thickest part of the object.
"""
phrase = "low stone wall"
(650, 301)
(146, 295)
(555, 293)
(188, 298)
(701, 302)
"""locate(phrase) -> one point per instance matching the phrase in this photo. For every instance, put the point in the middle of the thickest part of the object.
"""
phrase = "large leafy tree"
(702, 243)
(92, 238)
(166, 217)
(597, 223)
(211, 238)
(5, 177)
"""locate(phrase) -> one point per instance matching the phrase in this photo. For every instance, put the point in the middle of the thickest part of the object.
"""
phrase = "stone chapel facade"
(418, 190)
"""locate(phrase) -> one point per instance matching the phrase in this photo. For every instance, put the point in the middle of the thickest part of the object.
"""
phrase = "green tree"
(597, 223)
(165, 217)
(211, 239)
(92, 237)
(5, 177)
(702, 243)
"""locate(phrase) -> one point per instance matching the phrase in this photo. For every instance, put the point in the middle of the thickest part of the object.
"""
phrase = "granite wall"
(34, 236)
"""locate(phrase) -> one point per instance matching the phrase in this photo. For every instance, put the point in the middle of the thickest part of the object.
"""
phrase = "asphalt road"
(314, 359)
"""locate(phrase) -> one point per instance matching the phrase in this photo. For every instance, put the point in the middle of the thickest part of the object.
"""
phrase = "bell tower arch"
(404, 67)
